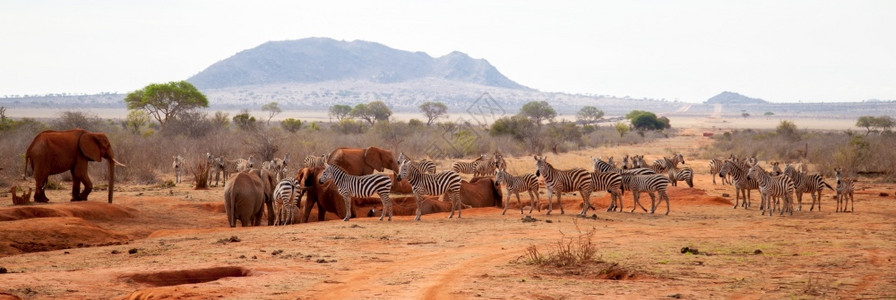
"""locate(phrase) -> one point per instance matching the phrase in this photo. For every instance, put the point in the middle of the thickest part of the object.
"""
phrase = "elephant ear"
(374, 158)
(90, 146)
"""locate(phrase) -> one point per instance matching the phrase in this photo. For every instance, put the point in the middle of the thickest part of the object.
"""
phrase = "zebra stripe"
(515, 185)
(676, 174)
(217, 167)
(447, 182)
(312, 161)
(427, 166)
(564, 181)
(742, 184)
(602, 166)
(286, 201)
(715, 167)
(359, 186)
(773, 187)
(805, 183)
(647, 183)
(610, 182)
(845, 192)
(464, 167)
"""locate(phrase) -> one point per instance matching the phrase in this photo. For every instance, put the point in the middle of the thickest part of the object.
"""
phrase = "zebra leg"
(419, 205)
(799, 200)
(505, 202)
(384, 197)
(550, 202)
(518, 202)
(653, 202)
(460, 205)
(664, 195)
(532, 198)
(737, 197)
(616, 196)
(348, 207)
(453, 205)
(586, 203)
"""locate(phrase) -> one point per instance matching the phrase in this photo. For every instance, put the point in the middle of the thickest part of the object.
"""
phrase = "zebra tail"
(828, 185)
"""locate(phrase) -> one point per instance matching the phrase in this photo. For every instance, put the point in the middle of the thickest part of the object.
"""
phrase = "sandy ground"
(174, 243)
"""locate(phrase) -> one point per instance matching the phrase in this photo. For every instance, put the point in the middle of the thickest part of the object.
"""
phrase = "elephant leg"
(88, 187)
(40, 184)
(306, 210)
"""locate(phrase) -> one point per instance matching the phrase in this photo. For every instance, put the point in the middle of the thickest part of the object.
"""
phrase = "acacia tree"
(433, 111)
(340, 111)
(538, 111)
(165, 101)
(273, 109)
(589, 114)
(372, 112)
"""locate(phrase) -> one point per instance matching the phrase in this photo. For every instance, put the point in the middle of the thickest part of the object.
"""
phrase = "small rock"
(132, 251)
(882, 194)
(528, 219)
(242, 256)
(3, 270)
(254, 257)
(66, 252)
(757, 252)
(690, 250)
(115, 251)
(548, 221)
(321, 261)
(676, 296)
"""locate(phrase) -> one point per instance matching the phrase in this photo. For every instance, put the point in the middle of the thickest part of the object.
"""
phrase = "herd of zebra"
(634, 175)
(747, 174)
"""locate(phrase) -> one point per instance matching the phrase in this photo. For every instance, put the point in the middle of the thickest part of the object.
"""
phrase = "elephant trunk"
(111, 178)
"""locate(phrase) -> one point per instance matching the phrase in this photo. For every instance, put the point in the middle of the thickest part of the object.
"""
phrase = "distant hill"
(733, 98)
(313, 60)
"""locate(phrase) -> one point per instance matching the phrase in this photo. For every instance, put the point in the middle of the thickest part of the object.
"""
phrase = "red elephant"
(53, 152)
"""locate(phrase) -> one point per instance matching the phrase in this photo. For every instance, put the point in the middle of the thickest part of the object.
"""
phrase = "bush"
(291, 125)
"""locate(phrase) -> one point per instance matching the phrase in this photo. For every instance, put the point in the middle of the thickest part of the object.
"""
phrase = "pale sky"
(781, 51)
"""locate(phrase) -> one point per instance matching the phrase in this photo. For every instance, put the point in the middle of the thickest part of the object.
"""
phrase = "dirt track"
(179, 238)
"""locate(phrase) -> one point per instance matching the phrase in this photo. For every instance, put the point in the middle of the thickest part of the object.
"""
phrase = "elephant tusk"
(118, 163)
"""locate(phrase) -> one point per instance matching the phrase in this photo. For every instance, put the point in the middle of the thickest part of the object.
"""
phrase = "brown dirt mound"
(96, 211)
(169, 278)
(53, 233)
(693, 196)
(217, 207)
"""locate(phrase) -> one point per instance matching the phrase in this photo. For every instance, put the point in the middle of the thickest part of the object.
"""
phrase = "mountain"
(323, 59)
(733, 98)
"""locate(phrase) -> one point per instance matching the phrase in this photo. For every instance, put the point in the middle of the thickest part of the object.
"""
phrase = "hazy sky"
(781, 51)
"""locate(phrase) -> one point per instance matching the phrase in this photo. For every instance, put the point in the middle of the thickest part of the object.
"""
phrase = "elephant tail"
(25, 174)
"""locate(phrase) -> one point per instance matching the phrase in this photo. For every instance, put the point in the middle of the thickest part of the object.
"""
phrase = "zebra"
(602, 166)
(427, 166)
(564, 181)
(447, 182)
(638, 162)
(803, 183)
(463, 167)
(359, 186)
(845, 192)
(515, 185)
(485, 167)
(312, 161)
(625, 164)
(278, 166)
(773, 187)
(500, 163)
(178, 165)
(245, 164)
(661, 166)
(647, 183)
(610, 182)
(776, 169)
(742, 184)
(286, 201)
(715, 167)
(217, 167)
(675, 174)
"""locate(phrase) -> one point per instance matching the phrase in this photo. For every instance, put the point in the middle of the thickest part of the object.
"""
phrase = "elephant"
(358, 162)
(244, 199)
(53, 152)
(247, 194)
